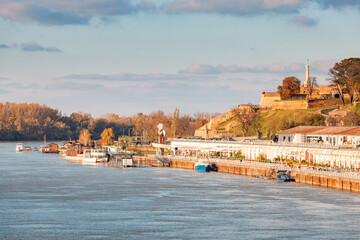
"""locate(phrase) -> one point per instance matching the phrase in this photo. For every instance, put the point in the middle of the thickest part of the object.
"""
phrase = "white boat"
(19, 147)
(94, 155)
(78, 157)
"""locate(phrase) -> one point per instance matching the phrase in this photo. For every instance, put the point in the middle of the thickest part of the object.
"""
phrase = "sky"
(130, 56)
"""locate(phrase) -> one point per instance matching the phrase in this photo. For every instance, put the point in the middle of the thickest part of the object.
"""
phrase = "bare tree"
(245, 114)
(175, 122)
(85, 137)
(310, 88)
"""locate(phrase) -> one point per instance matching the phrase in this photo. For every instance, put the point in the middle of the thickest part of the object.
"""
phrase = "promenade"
(275, 166)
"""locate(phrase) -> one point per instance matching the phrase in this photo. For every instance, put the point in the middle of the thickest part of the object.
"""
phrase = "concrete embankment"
(339, 183)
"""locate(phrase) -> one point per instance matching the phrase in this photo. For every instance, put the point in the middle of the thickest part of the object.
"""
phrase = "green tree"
(346, 77)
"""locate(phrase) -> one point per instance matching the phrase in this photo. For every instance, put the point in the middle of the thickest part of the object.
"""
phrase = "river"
(43, 196)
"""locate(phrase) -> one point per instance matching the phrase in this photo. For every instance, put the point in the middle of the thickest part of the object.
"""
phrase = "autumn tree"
(346, 77)
(107, 137)
(85, 137)
(245, 114)
(289, 88)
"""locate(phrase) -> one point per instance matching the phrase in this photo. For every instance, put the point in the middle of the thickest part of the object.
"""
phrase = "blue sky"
(124, 57)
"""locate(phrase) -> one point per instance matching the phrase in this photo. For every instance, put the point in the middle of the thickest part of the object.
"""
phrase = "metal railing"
(265, 142)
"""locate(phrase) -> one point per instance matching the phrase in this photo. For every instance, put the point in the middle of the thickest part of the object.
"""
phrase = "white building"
(335, 136)
(254, 150)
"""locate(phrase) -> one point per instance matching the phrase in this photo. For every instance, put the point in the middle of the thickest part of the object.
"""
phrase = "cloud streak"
(250, 7)
(203, 73)
(31, 47)
(125, 77)
(67, 85)
(2, 46)
(34, 47)
(319, 66)
(65, 12)
(233, 7)
(220, 69)
(303, 21)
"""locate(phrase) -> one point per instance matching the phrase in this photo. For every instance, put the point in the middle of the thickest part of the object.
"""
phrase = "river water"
(44, 196)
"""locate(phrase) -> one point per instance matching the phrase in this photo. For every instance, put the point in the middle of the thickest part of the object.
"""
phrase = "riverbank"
(319, 179)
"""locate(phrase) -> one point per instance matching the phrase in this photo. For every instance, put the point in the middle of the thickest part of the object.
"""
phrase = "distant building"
(319, 134)
(303, 100)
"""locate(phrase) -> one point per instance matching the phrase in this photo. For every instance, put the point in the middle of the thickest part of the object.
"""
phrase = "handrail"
(266, 142)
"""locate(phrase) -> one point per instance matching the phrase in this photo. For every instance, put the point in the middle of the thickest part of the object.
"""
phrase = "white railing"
(264, 142)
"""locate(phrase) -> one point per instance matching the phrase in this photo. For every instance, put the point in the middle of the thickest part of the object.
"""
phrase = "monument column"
(307, 81)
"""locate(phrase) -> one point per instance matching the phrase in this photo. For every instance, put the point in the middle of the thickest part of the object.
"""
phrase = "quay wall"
(144, 161)
(337, 183)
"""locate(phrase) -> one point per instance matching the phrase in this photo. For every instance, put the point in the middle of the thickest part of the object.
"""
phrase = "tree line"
(32, 121)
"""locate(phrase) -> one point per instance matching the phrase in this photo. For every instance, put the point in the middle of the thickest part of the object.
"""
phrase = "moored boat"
(283, 176)
(78, 157)
(94, 155)
(27, 149)
(19, 147)
(202, 166)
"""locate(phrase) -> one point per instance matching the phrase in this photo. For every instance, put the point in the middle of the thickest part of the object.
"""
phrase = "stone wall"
(319, 180)
(290, 104)
(326, 103)
(268, 99)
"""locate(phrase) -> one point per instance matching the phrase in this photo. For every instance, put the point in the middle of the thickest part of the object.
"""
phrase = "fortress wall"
(298, 104)
(326, 103)
(267, 100)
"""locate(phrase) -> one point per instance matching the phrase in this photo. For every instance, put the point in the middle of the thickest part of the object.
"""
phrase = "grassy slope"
(272, 121)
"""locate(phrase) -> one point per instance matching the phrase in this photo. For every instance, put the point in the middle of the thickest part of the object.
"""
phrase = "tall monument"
(307, 82)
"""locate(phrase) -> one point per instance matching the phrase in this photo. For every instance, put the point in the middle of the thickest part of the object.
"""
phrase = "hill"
(267, 123)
